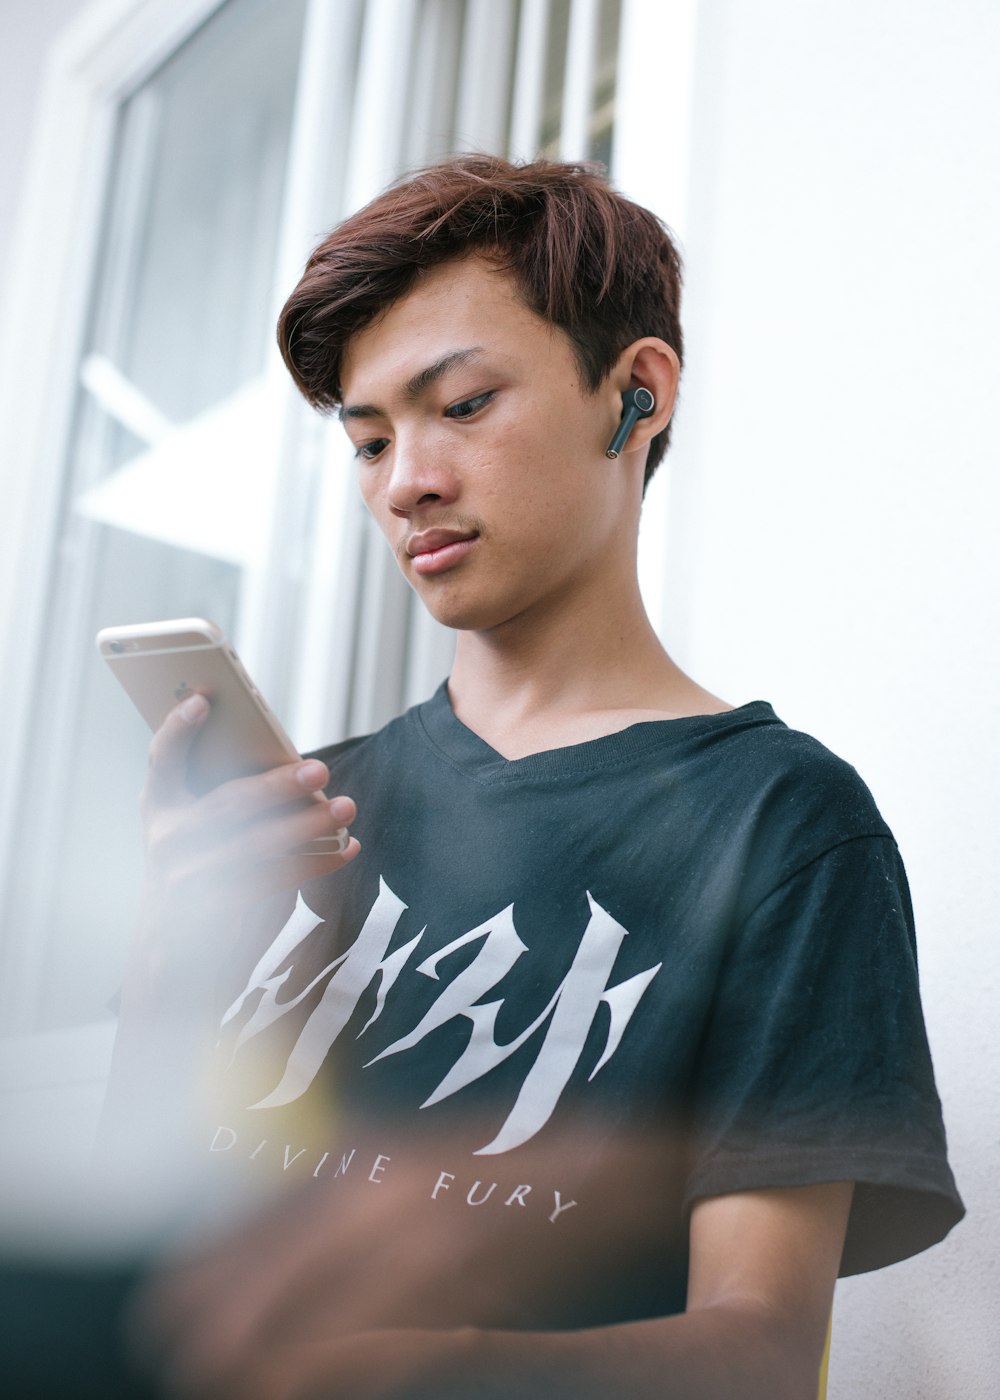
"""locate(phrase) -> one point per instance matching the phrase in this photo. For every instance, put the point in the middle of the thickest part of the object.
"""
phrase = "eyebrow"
(417, 383)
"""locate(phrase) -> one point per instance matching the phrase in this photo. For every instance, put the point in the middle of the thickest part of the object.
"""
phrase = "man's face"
(480, 454)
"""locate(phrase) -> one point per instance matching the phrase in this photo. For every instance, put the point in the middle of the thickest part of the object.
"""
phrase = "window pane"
(214, 122)
(602, 79)
(605, 72)
(180, 325)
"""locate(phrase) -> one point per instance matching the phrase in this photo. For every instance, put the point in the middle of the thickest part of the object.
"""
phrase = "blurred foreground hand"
(357, 1290)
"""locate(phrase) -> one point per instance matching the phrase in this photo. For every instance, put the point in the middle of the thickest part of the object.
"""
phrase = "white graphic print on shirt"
(570, 1011)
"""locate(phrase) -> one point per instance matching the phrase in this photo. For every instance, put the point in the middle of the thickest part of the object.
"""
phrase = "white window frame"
(102, 56)
(110, 48)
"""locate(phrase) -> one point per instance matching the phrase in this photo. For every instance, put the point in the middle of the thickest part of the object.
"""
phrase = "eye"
(469, 407)
(368, 451)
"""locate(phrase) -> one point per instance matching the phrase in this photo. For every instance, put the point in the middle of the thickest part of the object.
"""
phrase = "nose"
(420, 476)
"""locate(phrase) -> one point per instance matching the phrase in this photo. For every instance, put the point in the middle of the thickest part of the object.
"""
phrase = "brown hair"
(583, 257)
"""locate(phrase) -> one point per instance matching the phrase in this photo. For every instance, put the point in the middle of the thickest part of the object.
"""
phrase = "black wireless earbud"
(636, 404)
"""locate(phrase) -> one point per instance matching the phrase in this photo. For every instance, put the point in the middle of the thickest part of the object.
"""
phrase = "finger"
(242, 801)
(340, 810)
(170, 747)
(196, 1333)
(265, 821)
(234, 876)
(293, 872)
(201, 827)
(203, 1316)
(227, 853)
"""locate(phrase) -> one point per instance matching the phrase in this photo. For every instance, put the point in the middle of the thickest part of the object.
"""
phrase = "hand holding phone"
(232, 817)
(160, 664)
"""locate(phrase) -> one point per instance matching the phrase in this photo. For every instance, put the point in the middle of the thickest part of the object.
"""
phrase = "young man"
(613, 993)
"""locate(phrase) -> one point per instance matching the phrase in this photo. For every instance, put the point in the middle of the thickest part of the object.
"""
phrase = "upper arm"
(769, 1258)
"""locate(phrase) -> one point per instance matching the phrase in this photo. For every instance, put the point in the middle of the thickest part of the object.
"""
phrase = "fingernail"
(311, 774)
(342, 810)
(194, 707)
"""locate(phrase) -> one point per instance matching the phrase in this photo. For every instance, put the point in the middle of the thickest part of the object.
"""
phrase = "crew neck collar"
(464, 749)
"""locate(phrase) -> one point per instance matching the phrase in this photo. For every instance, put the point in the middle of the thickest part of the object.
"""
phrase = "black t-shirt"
(575, 992)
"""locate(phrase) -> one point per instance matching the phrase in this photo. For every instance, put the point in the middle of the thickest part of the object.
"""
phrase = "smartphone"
(161, 663)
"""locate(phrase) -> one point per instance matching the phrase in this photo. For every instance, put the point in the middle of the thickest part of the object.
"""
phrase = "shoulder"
(781, 800)
(799, 777)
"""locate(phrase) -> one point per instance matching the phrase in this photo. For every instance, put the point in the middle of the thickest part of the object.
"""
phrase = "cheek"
(554, 470)
(533, 456)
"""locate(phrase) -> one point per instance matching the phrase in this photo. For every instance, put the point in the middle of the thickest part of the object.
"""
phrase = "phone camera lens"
(117, 647)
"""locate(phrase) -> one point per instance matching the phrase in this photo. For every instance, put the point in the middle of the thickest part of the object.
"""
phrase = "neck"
(587, 666)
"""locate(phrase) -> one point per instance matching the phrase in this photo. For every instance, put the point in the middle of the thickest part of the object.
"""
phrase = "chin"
(460, 619)
(465, 614)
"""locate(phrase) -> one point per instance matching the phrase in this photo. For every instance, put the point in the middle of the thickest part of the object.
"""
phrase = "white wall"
(834, 516)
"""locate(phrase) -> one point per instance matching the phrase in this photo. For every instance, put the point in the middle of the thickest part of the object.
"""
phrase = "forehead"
(468, 302)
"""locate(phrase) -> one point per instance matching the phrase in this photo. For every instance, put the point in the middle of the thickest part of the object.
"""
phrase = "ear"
(653, 364)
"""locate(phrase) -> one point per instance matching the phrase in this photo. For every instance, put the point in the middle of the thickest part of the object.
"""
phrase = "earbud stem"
(629, 419)
(636, 403)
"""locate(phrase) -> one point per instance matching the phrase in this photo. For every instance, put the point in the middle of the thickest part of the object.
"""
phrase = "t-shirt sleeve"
(816, 1065)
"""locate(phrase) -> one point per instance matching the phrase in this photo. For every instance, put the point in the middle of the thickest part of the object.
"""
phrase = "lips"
(434, 551)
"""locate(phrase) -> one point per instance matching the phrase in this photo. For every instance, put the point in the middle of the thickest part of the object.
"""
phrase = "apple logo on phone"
(182, 691)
